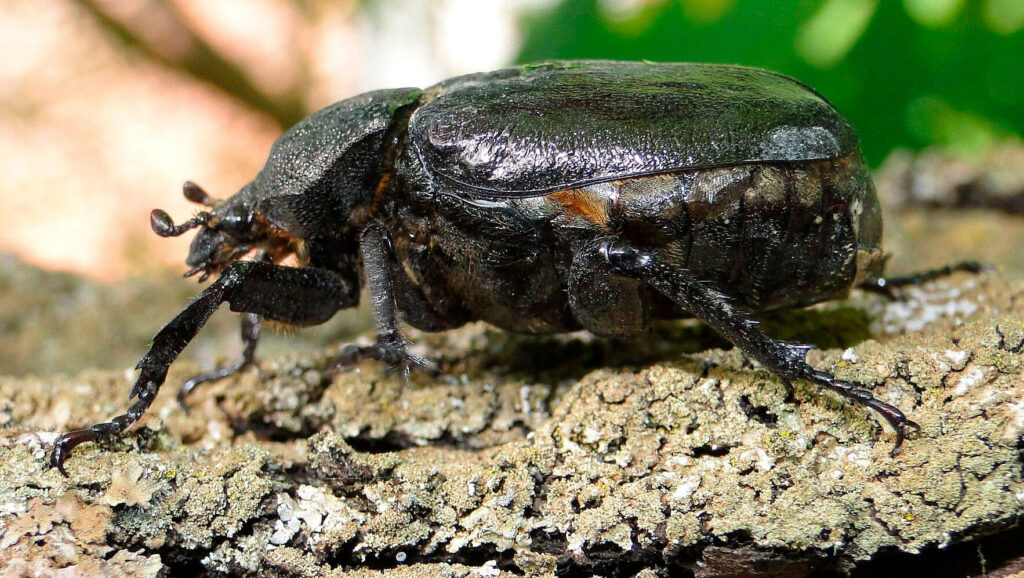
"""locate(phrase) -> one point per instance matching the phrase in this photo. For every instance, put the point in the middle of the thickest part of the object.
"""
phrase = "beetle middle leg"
(391, 347)
(786, 360)
(297, 296)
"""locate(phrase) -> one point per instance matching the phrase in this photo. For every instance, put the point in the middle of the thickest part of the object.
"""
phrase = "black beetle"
(542, 198)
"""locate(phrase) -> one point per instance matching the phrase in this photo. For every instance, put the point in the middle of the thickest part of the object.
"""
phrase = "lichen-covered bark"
(615, 469)
(565, 453)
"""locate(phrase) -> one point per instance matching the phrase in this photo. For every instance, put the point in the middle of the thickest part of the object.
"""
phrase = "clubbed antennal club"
(196, 194)
(164, 226)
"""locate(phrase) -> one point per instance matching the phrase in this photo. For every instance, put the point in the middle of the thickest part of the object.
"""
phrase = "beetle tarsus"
(888, 286)
(788, 386)
(893, 415)
(787, 360)
(392, 350)
(108, 429)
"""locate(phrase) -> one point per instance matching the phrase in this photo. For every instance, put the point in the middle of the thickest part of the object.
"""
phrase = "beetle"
(542, 198)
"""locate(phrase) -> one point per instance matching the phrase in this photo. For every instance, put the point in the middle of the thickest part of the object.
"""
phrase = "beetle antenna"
(196, 194)
(162, 224)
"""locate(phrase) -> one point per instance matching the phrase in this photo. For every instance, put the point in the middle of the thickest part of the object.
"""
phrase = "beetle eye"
(236, 220)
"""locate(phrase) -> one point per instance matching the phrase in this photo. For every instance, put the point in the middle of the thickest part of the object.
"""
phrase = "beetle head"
(227, 232)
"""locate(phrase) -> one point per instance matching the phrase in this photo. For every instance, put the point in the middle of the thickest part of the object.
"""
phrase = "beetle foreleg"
(299, 296)
(786, 360)
(251, 324)
(391, 347)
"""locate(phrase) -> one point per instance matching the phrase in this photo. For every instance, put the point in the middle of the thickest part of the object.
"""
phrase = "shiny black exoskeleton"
(544, 198)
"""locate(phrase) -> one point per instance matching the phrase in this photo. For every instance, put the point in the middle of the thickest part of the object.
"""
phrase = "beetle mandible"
(543, 198)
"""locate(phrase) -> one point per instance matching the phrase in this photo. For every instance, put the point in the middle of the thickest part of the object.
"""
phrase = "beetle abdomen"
(768, 235)
(781, 235)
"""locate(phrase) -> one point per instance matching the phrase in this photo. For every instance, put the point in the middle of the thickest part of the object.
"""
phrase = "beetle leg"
(391, 346)
(786, 360)
(887, 285)
(250, 329)
(298, 296)
(251, 324)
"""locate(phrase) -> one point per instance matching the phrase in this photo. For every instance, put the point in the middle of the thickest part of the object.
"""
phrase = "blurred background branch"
(174, 43)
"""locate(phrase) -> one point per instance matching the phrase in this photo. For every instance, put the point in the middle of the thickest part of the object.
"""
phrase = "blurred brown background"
(107, 106)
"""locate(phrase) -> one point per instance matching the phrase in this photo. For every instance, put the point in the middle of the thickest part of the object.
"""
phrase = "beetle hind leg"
(888, 286)
(786, 360)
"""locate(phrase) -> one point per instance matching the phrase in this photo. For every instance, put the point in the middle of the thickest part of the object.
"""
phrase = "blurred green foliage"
(908, 73)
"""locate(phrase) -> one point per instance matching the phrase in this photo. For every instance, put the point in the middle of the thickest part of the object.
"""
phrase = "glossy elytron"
(544, 198)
